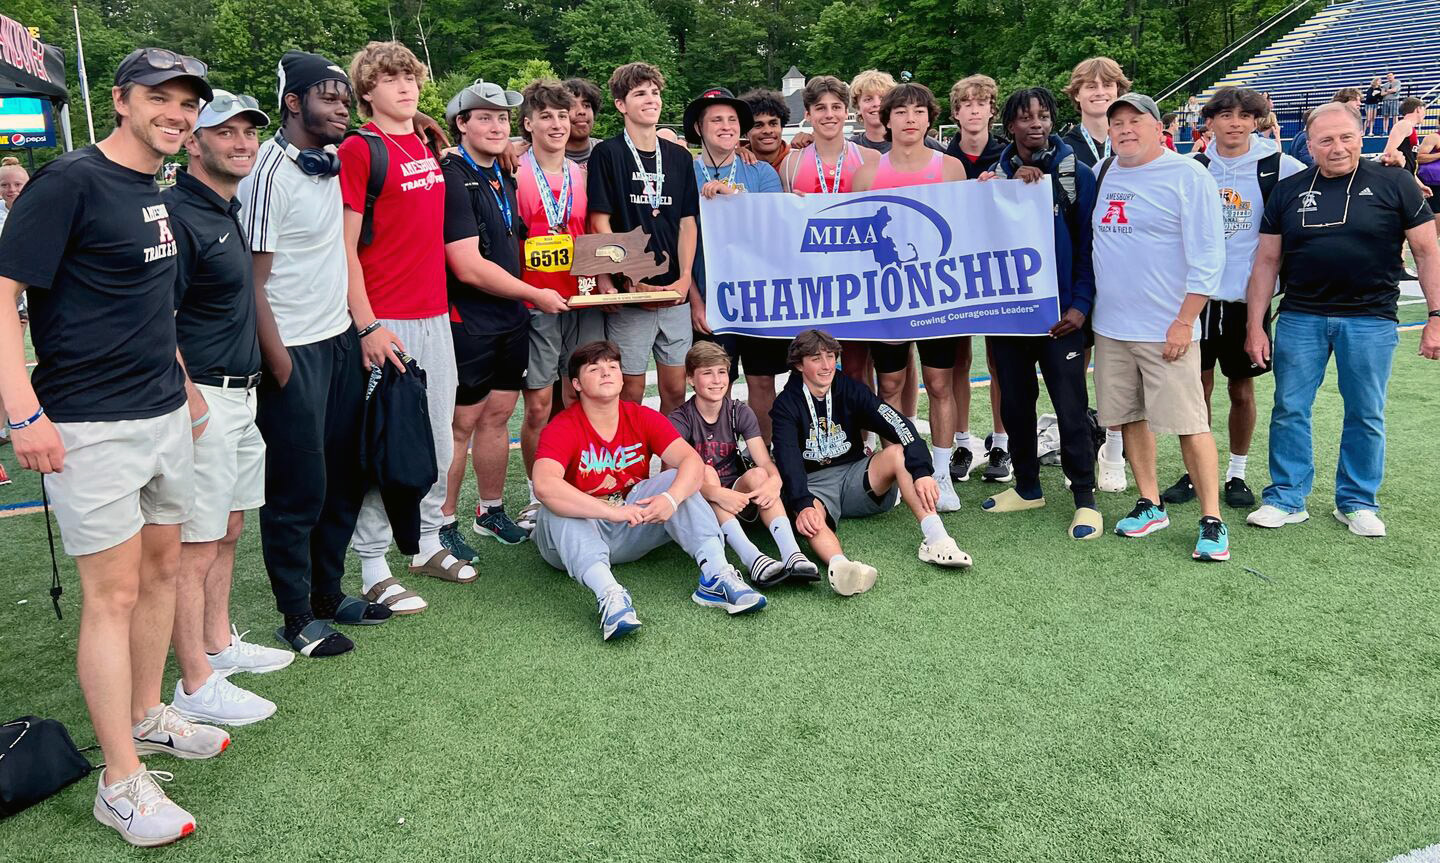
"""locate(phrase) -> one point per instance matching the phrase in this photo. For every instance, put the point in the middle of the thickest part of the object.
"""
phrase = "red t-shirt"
(405, 265)
(601, 467)
(537, 224)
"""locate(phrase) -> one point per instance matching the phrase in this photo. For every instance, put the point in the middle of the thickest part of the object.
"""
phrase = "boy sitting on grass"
(599, 505)
(738, 488)
(820, 420)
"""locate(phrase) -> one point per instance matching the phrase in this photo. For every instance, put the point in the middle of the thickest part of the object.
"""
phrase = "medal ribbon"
(557, 211)
(652, 192)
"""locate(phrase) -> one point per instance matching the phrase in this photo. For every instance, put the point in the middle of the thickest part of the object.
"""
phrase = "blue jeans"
(1364, 350)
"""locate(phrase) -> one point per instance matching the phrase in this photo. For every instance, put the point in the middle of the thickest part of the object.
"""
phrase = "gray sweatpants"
(428, 341)
(576, 544)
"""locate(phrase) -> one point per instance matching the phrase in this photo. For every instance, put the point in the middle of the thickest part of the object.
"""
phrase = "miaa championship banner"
(947, 259)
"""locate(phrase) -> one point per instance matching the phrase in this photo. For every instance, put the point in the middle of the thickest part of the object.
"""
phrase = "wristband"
(39, 412)
(372, 327)
(205, 417)
(674, 507)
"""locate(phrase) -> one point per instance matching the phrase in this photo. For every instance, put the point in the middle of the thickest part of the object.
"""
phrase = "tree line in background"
(697, 43)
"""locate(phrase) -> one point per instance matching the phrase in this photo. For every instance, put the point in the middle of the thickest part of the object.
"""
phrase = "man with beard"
(312, 395)
(109, 418)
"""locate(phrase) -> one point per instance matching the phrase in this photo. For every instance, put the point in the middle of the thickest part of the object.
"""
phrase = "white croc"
(946, 552)
(851, 577)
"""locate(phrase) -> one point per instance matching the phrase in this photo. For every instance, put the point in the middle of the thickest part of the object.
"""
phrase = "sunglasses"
(161, 58)
(228, 101)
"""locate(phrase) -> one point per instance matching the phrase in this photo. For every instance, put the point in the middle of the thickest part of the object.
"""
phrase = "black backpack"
(379, 170)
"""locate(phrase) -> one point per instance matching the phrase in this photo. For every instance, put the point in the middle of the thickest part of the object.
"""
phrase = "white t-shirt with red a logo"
(1158, 235)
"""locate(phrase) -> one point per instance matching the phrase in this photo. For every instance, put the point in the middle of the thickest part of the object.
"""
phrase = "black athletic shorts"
(934, 354)
(1222, 339)
(762, 357)
(490, 362)
(1434, 197)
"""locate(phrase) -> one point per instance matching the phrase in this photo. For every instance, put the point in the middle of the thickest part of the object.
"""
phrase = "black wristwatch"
(1435, 313)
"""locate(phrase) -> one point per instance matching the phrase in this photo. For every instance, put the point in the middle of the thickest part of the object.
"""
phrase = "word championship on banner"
(947, 259)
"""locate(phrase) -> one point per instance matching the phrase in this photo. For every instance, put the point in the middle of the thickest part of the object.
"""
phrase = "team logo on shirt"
(427, 166)
(649, 182)
(1116, 220)
(1238, 213)
(165, 248)
(1309, 201)
(825, 442)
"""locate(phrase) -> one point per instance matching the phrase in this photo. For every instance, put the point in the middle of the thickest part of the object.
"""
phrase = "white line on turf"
(1430, 854)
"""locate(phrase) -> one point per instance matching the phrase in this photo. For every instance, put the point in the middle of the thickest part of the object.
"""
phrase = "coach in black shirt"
(1333, 235)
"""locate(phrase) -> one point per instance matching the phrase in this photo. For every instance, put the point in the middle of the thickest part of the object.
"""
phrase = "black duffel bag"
(37, 760)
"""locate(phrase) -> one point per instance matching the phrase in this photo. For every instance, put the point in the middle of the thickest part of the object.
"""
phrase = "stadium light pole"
(84, 82)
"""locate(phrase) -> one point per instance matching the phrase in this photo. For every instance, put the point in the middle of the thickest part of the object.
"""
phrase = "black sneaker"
(1183, 491)
(454, 543)
(962, 461)
(495, 523)
(999, 469)
(1238, 495)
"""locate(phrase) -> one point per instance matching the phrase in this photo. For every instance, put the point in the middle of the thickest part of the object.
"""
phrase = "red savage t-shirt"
(405, 265)
(600, 467)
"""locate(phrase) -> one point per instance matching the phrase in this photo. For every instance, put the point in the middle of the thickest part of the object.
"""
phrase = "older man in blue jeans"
(1333, 235)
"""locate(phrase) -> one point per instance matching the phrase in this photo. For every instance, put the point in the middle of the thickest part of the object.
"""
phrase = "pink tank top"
(886, 177)
(807, 180)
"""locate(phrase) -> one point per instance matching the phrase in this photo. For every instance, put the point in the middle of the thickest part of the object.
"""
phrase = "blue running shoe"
(729, 592)
(617, 614)
(1214, 542)
(1146, 518)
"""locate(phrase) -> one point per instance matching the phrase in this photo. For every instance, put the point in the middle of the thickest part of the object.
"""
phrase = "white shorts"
(120, 476)
(229, 464)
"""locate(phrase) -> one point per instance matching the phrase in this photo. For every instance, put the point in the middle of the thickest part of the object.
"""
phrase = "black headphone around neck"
(312, 161)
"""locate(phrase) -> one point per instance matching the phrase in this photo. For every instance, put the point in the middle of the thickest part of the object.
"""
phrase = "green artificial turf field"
(1105, 700)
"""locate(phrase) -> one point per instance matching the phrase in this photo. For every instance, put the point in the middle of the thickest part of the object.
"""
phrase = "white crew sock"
(784, 537)
(1237, 467)
(374, 570)
(940, 456)
(735, 536)
(1114, 444)
(962, 439)
(711, 557)
(1000, 440)
(933, 528)
(599, 579)
(531, 486)
(491, 504)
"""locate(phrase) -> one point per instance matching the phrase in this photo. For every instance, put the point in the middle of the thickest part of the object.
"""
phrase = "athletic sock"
(784, 537)
(488, 505)
(374, 570)
(1114, 442)
(940, 455)
(324, 605)
(735, 536)
(1032, 493)
(599, 579)
(933, 528)
(1000, 440)
(1237, 467)
(711, 557)
(296, 622)
(429, 545)
(962, 440)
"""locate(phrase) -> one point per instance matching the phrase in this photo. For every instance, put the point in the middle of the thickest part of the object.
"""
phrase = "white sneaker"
(949, 500)
(1362, 522)
(139, 809)
(169, 733)
(849, 577)
(241, 655)
(221, 702)
(1111, 473)
(1274, 516)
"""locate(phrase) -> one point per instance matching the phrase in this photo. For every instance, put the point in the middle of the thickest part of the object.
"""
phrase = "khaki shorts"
(1133, 382)
(229, 464)
(554, 337)
(121, 476)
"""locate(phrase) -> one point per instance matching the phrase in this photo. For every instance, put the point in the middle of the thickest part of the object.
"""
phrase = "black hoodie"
(854, 410)
(986, 160)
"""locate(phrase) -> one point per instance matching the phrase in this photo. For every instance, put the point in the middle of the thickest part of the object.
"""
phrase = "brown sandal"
(374, 594)
(435, 567)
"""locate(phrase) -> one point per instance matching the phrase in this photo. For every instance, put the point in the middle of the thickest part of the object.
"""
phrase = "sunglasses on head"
(162, 58)
(228, 101)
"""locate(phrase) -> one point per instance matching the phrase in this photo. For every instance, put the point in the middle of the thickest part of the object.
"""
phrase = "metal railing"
(1228, 58)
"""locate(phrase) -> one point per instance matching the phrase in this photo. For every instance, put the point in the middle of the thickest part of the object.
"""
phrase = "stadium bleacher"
(1346, 45)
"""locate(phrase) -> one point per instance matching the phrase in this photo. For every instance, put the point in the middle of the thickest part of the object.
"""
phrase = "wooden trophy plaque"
(617, 254)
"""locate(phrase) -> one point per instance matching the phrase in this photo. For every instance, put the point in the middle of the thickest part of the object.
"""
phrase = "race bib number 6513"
(550, 253)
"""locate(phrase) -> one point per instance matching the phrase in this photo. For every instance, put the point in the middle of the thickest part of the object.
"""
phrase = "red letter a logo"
(1115, 214)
